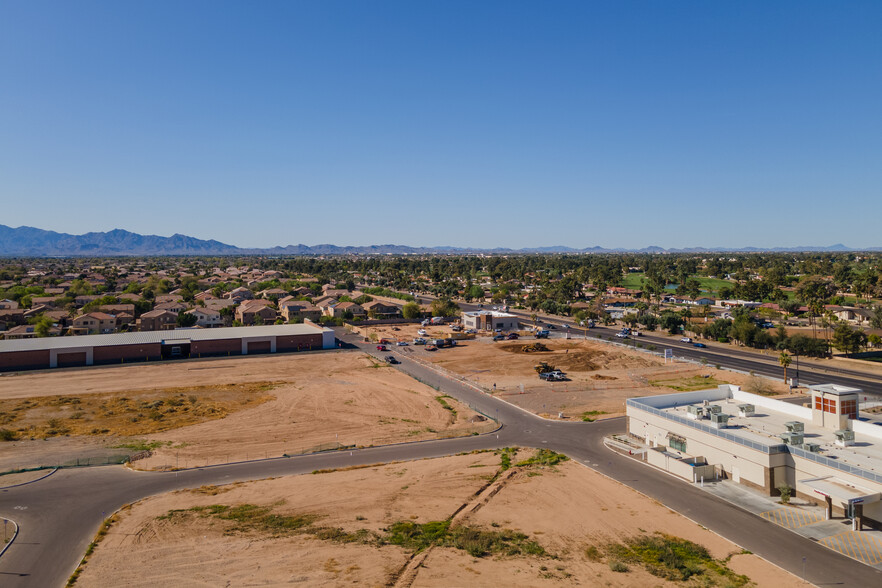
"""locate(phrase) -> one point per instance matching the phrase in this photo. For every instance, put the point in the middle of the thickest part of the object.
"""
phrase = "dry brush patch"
(133, 413)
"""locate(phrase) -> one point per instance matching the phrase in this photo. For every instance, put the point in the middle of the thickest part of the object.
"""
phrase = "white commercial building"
(826, 452)
(489, 320)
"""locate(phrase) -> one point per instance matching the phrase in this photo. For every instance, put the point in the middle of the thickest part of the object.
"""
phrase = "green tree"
(186, 320)
(411, 310)
(43, 325)
(444, 307)
(785, 360)
(848, 340)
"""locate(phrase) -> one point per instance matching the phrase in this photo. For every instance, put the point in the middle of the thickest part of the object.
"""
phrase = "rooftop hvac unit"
(746, 410)
(844, 438)
(715, 409)
(695, 412)
(811, 447)
(719, 419)
(795, 426)
(792, 438)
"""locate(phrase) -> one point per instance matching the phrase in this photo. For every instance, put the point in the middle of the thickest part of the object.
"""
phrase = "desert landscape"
(509, 517)
(213, 411)
(600, 376)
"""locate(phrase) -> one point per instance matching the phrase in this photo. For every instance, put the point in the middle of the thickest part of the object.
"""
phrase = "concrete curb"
(14, 535)
(43, 477)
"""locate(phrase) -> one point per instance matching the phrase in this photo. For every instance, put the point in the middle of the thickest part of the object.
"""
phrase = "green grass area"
(674, 559)
(443, 402)
(544, 457)
(709, 285)
(690, 384)
(588, 416)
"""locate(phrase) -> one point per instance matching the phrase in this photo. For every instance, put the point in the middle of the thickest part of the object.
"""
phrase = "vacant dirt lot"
(455, 521)
(270, 405)
(600, 377)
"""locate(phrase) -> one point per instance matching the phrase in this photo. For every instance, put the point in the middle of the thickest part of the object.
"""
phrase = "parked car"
(402, 343)
(422, 332)
(499, 337)
(685, 340)
(391, 359)
(701, 345)
(419, 341)
(431, 348)
(471, 331)
(384, 341)
(543, 334)
(512, 336)
(381, 348)
(456, 328)
(554, 376)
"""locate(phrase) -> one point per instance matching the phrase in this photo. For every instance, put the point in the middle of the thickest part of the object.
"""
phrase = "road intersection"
(59, 515)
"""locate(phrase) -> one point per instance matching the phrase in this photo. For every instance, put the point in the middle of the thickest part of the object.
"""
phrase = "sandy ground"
(601, 377)
(565, 509)
(323, 399)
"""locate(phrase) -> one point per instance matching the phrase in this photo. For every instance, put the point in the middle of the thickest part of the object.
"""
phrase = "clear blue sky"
(620, 124)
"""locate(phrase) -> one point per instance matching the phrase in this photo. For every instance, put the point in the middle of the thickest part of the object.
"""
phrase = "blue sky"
(513, 124)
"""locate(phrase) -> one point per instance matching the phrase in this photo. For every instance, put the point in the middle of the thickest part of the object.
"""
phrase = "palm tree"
(784, 359)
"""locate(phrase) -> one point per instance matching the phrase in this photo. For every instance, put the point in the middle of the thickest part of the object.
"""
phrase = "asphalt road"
(60, 515)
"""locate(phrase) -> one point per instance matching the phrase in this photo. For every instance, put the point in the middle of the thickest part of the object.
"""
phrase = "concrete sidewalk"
(805, 519)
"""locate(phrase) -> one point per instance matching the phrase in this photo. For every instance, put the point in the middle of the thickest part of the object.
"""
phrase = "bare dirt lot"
(269, 406)
(455, 521)
(600, 377)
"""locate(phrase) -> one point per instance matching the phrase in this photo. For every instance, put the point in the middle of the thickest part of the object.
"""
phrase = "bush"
(618, 566)
(8, 435)
(786, 492)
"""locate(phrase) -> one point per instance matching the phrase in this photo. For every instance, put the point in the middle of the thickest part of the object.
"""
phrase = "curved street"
(59, 515)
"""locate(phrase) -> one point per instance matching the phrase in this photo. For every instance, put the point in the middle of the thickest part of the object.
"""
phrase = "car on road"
(381, 348)
(384, 341)
(419, 341)
(542, 334)
(699, 345)
(685, 340)
(431, 348)
(402, 343)
(622, 335)
(499, 337)
(512, 336)
(550, 326)
(390, 360)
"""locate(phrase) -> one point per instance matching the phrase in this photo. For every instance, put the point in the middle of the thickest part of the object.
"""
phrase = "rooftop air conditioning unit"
(746, 410)
(695, 412)
(792, 438)
(811, 447)
(719, 419)
(844, 438)
(715, 409)
(795, 426)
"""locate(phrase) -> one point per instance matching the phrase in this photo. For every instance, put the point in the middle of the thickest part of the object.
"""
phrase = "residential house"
(157, 320)
(116, 309)
(273, 293)
(60, 317)
(299, 309)
(380, 309)
(8, 304)
(206, 317)
(175, 307)
(335, 292)
(239, 294)
(12, 317)
(28, 332)
(93, 323)
(164, 298)
(853, 315)
(219, 303)
(83, 300)
(248, 312)
(207, 295)
(48, 301)
(355, 309)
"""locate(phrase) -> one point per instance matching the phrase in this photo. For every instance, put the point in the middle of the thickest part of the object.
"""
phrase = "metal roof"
(836, 389)
(143, 337)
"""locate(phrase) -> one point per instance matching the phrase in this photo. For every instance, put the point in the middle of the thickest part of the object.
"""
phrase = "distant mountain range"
(32, 242)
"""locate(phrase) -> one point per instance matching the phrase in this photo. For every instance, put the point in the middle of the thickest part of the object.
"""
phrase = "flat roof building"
(50, 352)
(825, 452)
(489, 320)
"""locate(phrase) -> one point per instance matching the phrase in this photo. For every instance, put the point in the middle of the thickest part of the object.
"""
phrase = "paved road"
(60, 515)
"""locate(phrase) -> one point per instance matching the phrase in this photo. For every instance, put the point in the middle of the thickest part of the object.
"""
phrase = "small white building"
(490, 320)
